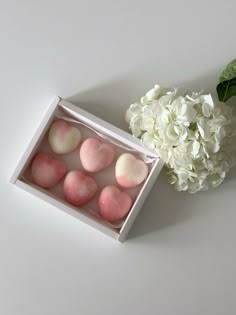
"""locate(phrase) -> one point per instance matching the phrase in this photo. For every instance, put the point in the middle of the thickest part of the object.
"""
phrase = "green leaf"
(229, 72)
(227, 82)
(226, 89)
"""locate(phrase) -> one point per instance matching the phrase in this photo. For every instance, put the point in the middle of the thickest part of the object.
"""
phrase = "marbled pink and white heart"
(79, 188)
(96, 155)
(130, 171)
(114, 204)
(47, 171)
(63, 137)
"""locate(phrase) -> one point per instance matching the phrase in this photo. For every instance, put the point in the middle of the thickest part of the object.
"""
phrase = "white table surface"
(180, 258)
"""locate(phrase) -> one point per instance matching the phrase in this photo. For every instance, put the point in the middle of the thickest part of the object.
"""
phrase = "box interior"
(72, 160)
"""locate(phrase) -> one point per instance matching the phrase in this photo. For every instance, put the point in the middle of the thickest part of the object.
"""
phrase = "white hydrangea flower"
(192, 133)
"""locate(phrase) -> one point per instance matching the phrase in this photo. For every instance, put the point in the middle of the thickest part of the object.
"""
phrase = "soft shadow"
(109, 100)
(164, 207)
(231, 175)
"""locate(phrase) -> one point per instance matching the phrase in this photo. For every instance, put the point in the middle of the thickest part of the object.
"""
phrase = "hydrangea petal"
(192, 133)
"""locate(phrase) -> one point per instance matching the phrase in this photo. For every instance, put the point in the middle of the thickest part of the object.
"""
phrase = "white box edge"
(67, 209)
(36, 137)
(143, 196)
(118, 134)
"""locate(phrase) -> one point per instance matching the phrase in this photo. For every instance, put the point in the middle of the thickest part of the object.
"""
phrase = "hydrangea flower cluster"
(193, 134)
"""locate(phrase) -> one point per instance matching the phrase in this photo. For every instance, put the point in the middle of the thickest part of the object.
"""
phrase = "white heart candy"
(130, 171)
(63, 137)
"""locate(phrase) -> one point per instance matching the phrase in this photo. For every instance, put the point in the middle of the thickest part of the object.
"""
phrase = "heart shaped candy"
(79, 188)
(47, 171)
(63, 138)
(113, 203)
(129, 171)
(96, 155)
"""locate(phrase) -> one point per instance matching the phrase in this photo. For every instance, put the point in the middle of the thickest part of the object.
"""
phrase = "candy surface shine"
(79, 188)
(47, 171)
(130, 171)
(113, 203)
(96, 155)
(63, 138)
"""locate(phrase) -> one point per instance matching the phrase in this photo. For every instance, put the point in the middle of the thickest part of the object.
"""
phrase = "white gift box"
(118, 137)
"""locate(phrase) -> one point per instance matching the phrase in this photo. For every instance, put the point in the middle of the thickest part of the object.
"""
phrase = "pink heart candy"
(79, 188)
(63, 138)
(47, 171)
(96, 155)
(114, 204)
(130, 171)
